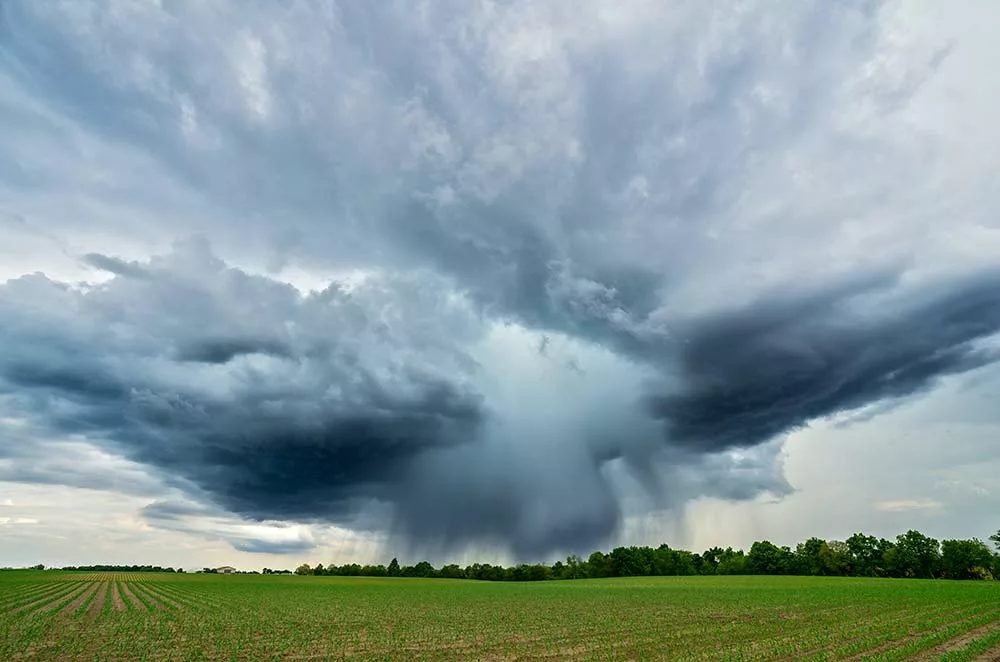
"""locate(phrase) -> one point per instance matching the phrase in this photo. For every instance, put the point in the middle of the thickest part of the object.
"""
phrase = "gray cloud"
(213, 524)
(255, 546)
(114, 265)
(715, 210)
(301, 432)
(223, 350)
(751, 375)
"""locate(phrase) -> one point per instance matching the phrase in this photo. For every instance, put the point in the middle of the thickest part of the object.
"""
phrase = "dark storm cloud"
(331, 417)
(751, 375)
(623, 179)
(225, 350)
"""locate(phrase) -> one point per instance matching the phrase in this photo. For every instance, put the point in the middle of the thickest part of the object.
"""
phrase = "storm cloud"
(301, 432)
(751, 375)
(476, 274)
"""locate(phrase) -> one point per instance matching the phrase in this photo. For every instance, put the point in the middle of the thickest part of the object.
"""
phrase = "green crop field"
(135, 616)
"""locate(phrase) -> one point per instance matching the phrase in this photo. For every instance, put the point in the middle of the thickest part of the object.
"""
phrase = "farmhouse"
(226, 570)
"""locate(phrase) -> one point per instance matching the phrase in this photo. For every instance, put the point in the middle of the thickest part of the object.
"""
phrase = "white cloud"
(906, 505)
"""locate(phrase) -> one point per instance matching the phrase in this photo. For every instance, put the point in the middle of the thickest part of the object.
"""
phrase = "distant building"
(226, 570)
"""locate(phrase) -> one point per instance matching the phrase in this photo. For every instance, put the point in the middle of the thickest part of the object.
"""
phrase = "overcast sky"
(493, 280)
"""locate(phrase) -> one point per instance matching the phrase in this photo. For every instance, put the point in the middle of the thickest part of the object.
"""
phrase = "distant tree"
(809, 557)
(996, 539)
(710, 560)
(916, 555)
(766, 558)
(733, 563)
(40, 566)
(575, 567)
(836, 559)
(538, 573)
(393, 570)
(452, 571)
(866, 558)
(423, 569)
(685, 562)
(303, 569)
(631, 561)
(966, 559)
(598, 565)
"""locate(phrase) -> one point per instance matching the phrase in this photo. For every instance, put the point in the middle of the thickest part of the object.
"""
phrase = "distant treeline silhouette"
(912, 555)
(116, 568)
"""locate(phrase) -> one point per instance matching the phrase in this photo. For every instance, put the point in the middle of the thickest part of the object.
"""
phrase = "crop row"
(246, 617)
(87, 597)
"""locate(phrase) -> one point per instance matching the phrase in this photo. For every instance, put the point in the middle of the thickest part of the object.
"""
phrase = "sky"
(498, 281)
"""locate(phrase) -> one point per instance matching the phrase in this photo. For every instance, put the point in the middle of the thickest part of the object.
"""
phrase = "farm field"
(53, 615)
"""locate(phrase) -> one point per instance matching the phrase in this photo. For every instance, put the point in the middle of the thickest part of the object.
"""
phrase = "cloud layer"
(570, 260)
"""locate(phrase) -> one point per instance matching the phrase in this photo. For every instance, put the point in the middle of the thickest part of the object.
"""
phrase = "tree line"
(910, 555)
(115, 568)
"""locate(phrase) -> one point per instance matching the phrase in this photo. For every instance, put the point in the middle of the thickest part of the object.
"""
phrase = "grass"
(250, 617)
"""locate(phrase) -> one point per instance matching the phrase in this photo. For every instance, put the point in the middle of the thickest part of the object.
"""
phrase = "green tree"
(576, 567)
(733, 563)
(423, 569)
(996, 539)
(393, 570)
(836, 559)
(966, 559)
(710, 560)
(452, 571)
(866, 555)
(809, 557)
(766, 558)
(599, 565)
(916, 555)
(303, 569)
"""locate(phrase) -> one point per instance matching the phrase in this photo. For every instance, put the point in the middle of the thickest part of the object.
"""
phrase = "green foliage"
(966, 559)
(915, 555)
(912, 555)
(733, 563)
(116, 568)
(766, 558)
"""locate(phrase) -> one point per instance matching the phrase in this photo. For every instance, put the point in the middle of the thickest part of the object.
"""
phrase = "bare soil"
(136, 602)
(902, 641)
(97, 606)
(117, 604)
(150, 597)
(37, 595)
(992, 655)
(54, 604)
(42, 601)
(956, 643)
(160, 598)
(78, 602)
